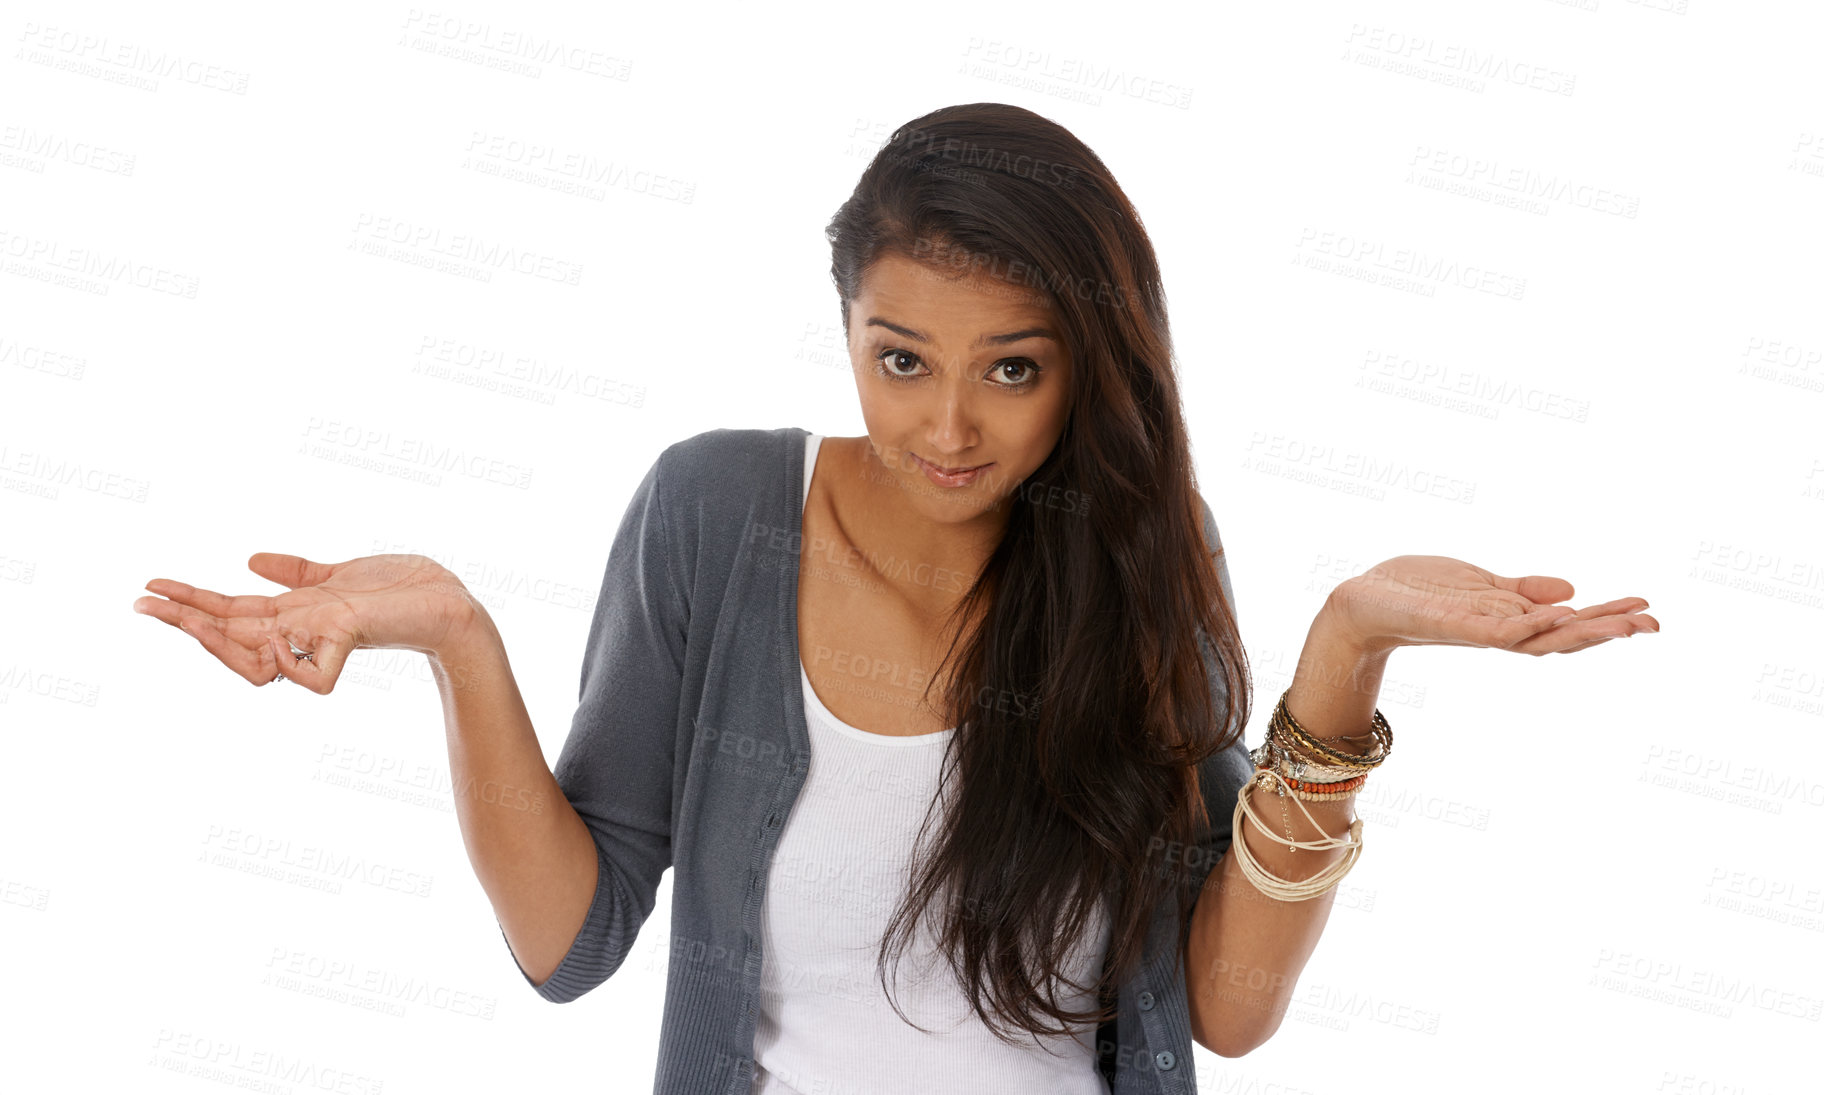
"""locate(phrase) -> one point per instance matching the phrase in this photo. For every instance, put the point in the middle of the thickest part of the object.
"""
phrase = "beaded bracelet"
(1335, 788)
(1322, 796)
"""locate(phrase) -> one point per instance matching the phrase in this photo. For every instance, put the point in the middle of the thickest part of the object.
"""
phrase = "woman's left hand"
(1418, 600)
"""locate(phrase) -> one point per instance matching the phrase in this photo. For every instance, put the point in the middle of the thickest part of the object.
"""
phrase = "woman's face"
(956, 373)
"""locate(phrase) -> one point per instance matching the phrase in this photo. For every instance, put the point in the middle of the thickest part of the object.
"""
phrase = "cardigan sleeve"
(615, 768)
(1223, 774)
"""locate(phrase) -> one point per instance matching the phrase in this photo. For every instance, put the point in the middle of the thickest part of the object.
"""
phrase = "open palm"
(385, 601)
(1418, 600)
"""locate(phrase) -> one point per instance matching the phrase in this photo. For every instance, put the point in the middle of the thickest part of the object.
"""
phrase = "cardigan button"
(1146, 1001)
(1164, 1060)
(772, 819)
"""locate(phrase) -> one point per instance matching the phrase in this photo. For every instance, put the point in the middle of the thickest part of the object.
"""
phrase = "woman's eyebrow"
(985, 340)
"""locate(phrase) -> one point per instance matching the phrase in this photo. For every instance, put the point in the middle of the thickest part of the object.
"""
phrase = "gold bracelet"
(1288, 727)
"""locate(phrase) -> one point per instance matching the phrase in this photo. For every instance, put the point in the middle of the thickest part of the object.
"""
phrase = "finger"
(1537, 588)
(320, 671)
(1575, 635)
(247, 663)
(291, 571)
(1615, 621)
(1510, 631)
(247, 632)
(169, 612)
(211, 602)
(1554, 644)
(1585, 646)
(1621, 606)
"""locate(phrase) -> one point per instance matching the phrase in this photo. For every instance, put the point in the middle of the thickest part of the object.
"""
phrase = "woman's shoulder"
(724, 450)
(730, 462)
(721, 481)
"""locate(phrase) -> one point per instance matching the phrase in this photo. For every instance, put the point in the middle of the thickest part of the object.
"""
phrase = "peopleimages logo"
(128, 63)
(87, 269)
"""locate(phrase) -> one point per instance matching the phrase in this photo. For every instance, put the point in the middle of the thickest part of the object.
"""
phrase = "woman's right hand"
(385, 601)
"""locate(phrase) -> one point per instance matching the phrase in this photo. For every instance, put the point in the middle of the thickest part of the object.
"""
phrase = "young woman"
(939, 728)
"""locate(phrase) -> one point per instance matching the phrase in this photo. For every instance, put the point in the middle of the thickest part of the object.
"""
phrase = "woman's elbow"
(1231, 1043)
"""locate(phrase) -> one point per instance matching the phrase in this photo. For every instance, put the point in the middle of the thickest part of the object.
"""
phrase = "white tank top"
(825, 1025)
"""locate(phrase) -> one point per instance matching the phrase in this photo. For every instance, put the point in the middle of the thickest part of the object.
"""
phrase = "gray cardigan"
(689, 745)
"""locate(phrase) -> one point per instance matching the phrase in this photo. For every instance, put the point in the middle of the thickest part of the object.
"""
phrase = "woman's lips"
(945, 478)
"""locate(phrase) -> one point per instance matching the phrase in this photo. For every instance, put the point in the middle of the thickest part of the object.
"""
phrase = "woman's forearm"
(533, 855)
(1246, 950)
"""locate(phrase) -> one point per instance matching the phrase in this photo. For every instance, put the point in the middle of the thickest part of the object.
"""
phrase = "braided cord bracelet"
(1274, 886)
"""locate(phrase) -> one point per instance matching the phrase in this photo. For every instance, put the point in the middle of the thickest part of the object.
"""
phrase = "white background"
(1594, 872)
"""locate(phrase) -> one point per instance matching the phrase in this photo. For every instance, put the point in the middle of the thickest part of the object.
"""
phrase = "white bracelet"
(1282, 888)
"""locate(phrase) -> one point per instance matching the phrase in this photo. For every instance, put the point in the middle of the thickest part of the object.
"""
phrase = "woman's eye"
(886, 358)
(1025, 372)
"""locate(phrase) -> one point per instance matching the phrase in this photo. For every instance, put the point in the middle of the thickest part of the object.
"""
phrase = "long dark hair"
(1084, 699)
